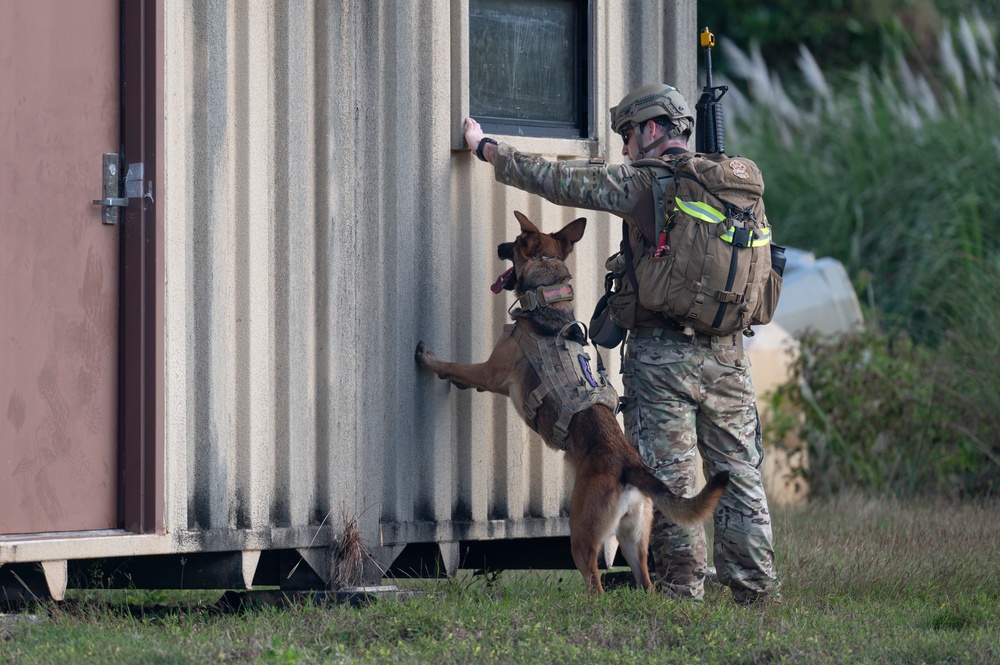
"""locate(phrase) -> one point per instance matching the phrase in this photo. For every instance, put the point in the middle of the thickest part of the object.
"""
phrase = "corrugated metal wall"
(318, 224)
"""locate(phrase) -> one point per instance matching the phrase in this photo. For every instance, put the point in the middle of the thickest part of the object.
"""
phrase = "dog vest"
(565, 375)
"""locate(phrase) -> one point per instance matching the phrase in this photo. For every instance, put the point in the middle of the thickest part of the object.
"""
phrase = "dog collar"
(545, 295)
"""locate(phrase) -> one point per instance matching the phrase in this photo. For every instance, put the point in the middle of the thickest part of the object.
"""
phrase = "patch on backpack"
(739, 169)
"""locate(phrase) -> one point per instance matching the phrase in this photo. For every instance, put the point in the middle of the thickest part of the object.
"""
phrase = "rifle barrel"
(708, 66)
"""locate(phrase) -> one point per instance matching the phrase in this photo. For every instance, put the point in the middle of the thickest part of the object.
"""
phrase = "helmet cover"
(652, 101)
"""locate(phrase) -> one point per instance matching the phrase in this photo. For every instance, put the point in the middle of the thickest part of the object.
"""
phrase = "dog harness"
(563, 367)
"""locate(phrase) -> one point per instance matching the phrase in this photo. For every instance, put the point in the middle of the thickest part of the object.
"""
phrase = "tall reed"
(890, 172)
(895, 174)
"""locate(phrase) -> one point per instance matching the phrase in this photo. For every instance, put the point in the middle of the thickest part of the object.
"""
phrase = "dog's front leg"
(491, 376)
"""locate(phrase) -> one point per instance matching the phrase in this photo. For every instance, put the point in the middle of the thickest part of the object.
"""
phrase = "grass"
(864, 581)
(893, 176)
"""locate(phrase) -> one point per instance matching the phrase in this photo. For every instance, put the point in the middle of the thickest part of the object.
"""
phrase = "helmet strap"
(643, 150)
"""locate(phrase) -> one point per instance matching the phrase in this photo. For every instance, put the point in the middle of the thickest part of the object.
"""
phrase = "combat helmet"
(648, 102)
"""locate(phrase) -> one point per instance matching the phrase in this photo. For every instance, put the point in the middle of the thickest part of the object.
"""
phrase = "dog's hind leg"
(633, 535)
(585, 557)
(592, 517)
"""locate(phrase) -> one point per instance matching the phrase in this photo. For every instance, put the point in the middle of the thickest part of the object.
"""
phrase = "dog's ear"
(570, 234)
(526, 225)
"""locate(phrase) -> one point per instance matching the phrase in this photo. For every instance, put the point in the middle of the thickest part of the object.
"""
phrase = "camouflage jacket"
(621, 189)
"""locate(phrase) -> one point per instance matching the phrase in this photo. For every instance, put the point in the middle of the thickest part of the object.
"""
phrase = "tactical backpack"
(711, 269)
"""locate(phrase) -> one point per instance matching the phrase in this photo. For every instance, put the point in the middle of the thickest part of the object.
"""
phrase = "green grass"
(864, 581)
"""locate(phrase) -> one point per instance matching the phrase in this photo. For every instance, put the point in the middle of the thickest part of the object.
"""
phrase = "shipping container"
(209, 373)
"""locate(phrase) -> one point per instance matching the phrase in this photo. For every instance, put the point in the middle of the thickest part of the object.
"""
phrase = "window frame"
(586, 146)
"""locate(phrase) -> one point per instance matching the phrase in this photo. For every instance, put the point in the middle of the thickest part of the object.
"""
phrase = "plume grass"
(892, 170)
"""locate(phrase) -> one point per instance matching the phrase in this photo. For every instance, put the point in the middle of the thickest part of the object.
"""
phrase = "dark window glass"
(528, 66)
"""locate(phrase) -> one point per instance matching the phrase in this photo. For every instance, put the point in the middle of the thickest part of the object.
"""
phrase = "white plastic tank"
(816, 294)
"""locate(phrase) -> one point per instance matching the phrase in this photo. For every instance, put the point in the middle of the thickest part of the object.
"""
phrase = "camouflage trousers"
(682, 396)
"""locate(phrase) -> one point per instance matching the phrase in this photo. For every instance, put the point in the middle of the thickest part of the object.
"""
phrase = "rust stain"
(16, 410)
(56, 420)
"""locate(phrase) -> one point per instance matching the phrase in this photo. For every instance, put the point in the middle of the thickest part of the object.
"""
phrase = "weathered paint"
(58, 268)
(318, 225)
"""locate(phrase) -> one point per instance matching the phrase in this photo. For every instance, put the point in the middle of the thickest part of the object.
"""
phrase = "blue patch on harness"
(585, 366)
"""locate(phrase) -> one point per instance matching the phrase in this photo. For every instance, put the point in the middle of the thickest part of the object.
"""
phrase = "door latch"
(112, 200)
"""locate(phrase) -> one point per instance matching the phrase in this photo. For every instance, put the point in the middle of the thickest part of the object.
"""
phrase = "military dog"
(614, 491)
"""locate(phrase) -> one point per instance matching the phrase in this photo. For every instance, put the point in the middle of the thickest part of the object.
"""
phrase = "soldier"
(682, 391)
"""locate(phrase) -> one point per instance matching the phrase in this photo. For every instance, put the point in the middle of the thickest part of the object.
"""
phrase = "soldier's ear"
(570, 234)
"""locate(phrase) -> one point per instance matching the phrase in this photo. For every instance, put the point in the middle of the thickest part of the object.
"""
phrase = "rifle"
(710, 131)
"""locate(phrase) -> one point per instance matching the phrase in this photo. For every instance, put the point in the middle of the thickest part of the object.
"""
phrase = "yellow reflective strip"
(765, 237)
(701, 211)
(754, 241)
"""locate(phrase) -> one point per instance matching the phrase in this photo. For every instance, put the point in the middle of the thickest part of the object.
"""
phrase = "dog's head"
(534, 247)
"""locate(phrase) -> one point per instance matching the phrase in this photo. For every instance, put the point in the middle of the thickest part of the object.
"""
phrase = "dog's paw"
(423, 354)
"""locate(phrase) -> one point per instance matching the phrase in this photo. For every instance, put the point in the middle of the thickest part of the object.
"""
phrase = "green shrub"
(892, 175)
(879, 413)
(845, 33)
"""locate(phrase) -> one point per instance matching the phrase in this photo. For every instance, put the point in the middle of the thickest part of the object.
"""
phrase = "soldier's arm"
(615, 188)
(621, 190)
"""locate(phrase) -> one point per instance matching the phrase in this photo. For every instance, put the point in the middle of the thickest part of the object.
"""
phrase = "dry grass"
(864, 581)
(350, 557)
(854, 546)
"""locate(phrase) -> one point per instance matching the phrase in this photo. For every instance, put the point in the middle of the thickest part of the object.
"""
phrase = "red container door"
(59, 272)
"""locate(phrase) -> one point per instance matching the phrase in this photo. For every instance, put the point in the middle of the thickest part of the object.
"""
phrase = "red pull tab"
(662, 246)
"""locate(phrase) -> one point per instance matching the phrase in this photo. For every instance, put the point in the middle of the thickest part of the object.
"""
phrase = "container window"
(529, 67)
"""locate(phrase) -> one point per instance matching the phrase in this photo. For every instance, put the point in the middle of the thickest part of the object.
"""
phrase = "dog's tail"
(679, 510)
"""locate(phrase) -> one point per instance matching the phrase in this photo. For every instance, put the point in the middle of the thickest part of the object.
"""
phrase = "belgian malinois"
(614, 491)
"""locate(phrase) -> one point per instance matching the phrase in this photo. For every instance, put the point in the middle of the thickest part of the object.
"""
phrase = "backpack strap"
(629, 261)
(664, 176)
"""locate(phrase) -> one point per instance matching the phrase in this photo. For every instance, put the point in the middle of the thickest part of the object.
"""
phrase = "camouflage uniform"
(681, 396)
(618, 188)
